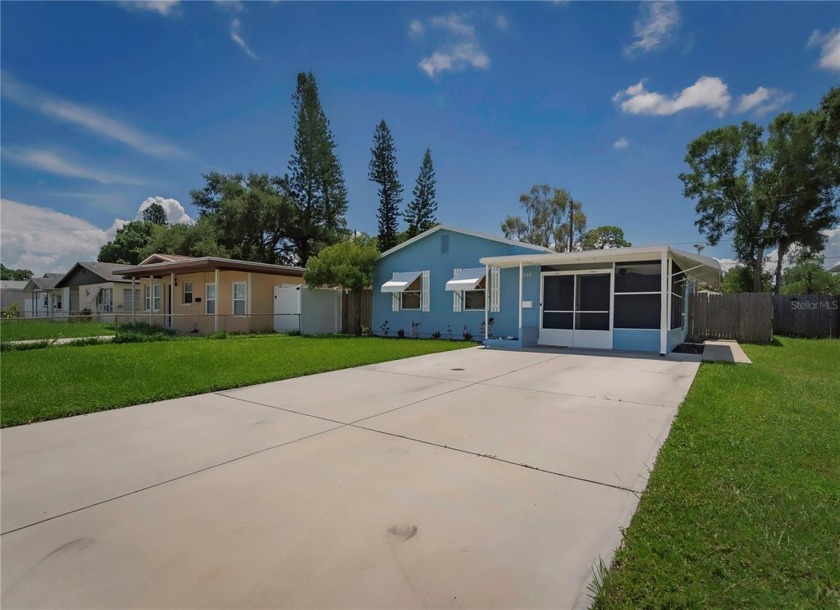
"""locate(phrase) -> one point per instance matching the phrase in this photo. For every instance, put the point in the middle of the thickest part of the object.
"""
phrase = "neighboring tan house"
(95, 290)
(207, 294)
(43, 299)
(11, 293)
(835, 269)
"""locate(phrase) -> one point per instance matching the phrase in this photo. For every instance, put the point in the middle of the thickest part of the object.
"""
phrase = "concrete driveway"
(468, 479)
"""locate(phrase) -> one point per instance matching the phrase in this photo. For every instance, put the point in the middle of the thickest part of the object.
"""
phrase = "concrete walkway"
(61, 341)
(474, 478)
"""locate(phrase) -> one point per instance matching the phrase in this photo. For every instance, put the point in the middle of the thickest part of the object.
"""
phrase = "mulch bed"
(689, 348)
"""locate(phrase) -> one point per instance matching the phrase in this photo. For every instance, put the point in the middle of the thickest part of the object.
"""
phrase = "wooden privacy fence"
(746, 316)
(806, 315)
(349, 305)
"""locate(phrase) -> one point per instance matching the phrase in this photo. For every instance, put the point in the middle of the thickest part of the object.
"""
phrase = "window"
(46, 300)
(147, 298)
(57, 300)
(106, 299)
(130, 300)
(638, 301)
(239, 300)
(210, 299)
(188, 293)
(410, 297)
(475, 299)
(156, 297)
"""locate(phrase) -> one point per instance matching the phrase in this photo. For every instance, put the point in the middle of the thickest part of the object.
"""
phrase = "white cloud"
(708, 92)
(830, 44)
(234, 6)
(654, 28)
(69, 112)
(502, 22)
(621, 143)
(46, 161)
(175, 212)
(165, 8)
(763, 100)
(416, 28)
(235, 37)
(459, 48)
(44, 240)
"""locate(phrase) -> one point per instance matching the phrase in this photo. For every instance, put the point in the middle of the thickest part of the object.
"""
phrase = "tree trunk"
(783, 248)
(357, 321)
(758, 268)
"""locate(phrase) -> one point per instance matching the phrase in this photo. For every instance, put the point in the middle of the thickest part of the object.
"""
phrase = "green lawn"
(743, 505)
(33, 328)
(68, 380)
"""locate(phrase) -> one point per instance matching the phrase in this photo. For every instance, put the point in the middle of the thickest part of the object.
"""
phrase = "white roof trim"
(400, 281)
(466, 279)
(502, 240)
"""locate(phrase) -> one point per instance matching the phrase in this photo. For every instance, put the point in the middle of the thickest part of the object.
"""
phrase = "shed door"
(286, 309)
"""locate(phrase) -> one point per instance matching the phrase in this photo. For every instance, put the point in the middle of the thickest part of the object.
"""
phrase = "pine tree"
(315, 180)
(155, 214)
(383, 171)
(420, 213)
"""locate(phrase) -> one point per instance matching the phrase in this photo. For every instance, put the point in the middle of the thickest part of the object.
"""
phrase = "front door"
(575, 309)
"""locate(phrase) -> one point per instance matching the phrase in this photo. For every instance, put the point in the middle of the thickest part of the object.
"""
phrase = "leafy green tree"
(129, 245)
(778, 191)
(809, 276)
(420, 214)
(603, 238)
(740, 279)
(316, 179)
(545, 210)
(251, 217)
(348, 264)
(155, 214)
(383, 171)
(19, 275)
(569, 235)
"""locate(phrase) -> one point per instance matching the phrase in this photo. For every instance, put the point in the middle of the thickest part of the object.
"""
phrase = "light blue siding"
(675, 337)
(636, 340)
(464, 251)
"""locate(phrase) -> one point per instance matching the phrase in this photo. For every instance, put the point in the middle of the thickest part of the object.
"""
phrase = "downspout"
(663, 303)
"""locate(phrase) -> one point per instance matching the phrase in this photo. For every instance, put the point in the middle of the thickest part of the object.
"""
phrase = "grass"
(33, 328)
(68, 380)
(743, 506)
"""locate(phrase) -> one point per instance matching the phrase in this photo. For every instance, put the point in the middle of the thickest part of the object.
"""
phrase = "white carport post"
(216, 302)
(663, 303)
(133, 301)
(487, 293)
(520, 302)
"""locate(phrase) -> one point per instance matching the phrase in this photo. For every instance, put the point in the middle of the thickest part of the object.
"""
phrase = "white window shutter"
(395, 301)
(424, 295)
(495, 288)
(456, 295)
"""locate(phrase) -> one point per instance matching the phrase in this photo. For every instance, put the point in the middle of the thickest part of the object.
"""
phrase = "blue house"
(465, 284)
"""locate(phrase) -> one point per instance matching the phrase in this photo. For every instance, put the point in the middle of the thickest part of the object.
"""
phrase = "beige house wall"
(191, 317)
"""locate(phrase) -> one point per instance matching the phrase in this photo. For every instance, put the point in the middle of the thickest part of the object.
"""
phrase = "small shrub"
(365, 330)
(401, 333)
(219, 334)
(384, 328)
(467, 334)
(436, 334)
(12, 311)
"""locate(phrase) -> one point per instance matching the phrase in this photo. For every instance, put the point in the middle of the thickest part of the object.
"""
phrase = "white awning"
(400, 281)
(466, 279)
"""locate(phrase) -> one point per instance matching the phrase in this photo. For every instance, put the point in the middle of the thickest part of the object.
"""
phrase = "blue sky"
(108, 104)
